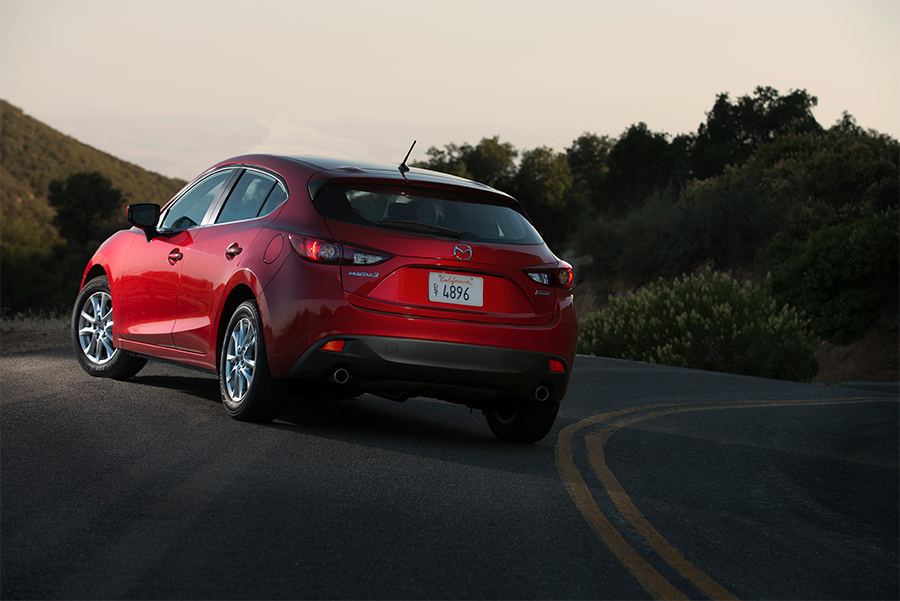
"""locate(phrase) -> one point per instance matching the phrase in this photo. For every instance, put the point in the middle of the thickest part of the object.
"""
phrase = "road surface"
(654, 482)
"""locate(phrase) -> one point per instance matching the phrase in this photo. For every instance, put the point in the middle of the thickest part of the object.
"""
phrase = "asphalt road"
(655, 482)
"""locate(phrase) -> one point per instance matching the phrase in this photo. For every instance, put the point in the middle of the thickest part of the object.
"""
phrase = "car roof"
(322, 170)
(331, 168)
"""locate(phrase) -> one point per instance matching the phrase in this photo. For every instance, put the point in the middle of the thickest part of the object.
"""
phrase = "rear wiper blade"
(421, 227)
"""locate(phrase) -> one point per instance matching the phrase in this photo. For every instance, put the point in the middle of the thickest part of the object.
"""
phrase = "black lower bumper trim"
(426, 367)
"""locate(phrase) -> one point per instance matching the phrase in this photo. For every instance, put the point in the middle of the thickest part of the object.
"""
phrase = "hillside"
(32, 155)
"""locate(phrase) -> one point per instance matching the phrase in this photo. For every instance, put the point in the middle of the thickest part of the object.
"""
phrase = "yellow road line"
(654, 582)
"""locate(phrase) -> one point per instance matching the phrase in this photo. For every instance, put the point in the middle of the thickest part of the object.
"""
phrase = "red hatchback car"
(349, 277)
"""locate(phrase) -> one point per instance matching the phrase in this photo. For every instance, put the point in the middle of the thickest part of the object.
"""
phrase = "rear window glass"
(427, 212)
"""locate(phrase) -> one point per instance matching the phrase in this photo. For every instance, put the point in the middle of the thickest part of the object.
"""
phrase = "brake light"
(566, 276)
(562, 277)
(320, 250)
(316, 250)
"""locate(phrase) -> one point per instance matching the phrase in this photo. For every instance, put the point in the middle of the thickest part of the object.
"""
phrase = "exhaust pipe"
(542, 393)
(339, 375)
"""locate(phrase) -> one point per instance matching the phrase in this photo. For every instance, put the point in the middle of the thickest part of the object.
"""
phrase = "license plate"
(455, 289)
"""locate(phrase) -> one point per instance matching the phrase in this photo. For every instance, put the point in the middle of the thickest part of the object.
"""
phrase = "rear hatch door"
(441, 254)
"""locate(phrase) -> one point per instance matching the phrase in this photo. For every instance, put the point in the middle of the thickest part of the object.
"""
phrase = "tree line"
(761, 187)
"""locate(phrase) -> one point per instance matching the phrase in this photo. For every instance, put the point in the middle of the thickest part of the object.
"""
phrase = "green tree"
(490, 162)
(734, 131)
(450, 160)
(844, 273)
(589, 163)
(641, 163)
(82, 201)
(542, 184)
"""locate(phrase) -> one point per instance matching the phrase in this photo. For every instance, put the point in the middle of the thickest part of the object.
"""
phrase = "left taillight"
(316, 250)
(320, 250)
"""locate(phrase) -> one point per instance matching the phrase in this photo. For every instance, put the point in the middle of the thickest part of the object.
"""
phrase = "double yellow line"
(596, 431)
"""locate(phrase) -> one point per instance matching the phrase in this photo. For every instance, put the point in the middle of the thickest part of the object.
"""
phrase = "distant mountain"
(32, 155)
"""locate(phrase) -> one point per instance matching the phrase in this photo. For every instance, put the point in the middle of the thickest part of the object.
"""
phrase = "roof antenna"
(403, 168)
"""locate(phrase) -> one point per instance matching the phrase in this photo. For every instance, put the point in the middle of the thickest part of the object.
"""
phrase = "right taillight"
(561, 277)
(565, 276)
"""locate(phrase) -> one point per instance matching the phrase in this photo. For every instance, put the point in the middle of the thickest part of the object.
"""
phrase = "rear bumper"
(433, 368)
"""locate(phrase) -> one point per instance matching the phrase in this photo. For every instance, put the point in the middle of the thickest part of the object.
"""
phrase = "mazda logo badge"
(463, 252)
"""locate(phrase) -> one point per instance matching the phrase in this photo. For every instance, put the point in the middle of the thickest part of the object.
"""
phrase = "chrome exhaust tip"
(542, 393)
(339, 375)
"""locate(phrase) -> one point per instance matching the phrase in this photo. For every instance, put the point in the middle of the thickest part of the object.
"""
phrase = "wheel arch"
(240, 293)
(94, 271)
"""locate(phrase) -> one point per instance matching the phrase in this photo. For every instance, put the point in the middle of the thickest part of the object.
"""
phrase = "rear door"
(218, 250)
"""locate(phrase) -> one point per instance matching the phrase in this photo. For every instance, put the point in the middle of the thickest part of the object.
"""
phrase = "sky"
(177, 86)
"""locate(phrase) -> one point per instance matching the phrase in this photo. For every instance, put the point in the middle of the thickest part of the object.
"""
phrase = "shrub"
(842, 274)
(706, 322)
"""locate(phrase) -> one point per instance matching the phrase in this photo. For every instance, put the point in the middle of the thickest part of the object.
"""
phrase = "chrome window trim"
(219, 204)
(226, 186)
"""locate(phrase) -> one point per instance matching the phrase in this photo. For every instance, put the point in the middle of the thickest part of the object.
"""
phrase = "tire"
(517, 419)
(92, 321)
(249, 392)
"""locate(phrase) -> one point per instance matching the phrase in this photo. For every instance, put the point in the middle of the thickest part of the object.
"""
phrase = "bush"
(842, 274)
(705, 322)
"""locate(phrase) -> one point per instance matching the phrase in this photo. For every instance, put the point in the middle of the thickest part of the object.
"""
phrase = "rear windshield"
(427, 212)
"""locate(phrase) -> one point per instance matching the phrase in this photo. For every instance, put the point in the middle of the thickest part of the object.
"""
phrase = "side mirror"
(144, 216)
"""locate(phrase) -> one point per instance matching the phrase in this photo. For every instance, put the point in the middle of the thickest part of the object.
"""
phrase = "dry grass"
(29, 332)
(29, 322)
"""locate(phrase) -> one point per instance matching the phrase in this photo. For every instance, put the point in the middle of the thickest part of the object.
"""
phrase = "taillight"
(316, 250)
(541, 277)
(358, 256)
(562, 276)
(565, 276)
(320, 250)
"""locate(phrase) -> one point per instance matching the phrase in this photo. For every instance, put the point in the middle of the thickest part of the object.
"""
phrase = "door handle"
(233, 251)
(175, 256)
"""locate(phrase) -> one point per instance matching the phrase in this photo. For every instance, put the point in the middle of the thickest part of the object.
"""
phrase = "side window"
(188, 211)
(276, 197)
(254, 195)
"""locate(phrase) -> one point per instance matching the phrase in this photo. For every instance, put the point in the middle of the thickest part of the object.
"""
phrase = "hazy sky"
(177, 86)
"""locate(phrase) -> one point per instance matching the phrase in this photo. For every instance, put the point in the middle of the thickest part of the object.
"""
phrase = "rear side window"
(254, 195)
(427, 212)
(189, 210)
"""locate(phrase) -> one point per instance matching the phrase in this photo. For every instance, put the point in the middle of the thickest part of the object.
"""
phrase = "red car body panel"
(172, 294)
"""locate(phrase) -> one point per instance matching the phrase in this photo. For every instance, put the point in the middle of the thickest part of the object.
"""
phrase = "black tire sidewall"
(265, 396)
(531, 421)
(122, 365)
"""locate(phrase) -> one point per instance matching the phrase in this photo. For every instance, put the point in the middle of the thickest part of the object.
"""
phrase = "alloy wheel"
(95, 328)
(240, 359)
